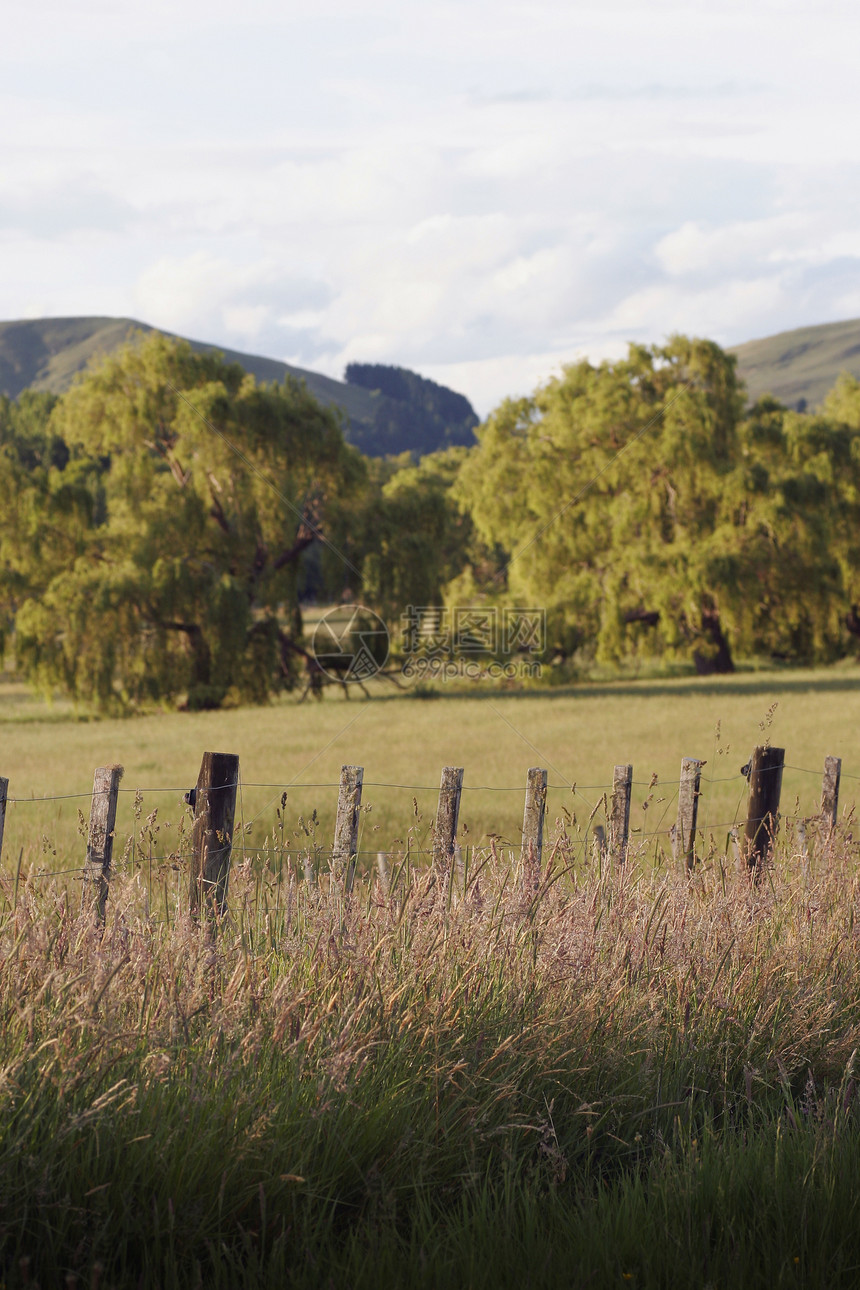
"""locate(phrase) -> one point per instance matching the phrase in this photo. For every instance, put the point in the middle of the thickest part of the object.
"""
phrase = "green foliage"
(49, 502)
(416, 538)
(175, 530)
(649, 514)
(25, 430)
(167, 514)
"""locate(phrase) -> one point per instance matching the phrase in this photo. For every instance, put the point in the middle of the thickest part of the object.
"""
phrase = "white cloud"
(480, 190)
(660, 310)
(740, 245)
(242, 303)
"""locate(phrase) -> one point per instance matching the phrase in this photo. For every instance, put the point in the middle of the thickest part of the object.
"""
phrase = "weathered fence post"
(100, 838)
(619, 812)
(533, 816)
(766, 767)
(4, 795)
(830, 792)
(212, 832)
(459, 871)
(345, 848)
(684, 840)
(447, 815)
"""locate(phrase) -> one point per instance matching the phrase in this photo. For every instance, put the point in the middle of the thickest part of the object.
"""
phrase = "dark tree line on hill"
(163, 522)
(414, 414)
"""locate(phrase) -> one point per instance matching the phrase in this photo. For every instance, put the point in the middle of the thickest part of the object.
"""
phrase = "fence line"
(414, 788)
(213, 803)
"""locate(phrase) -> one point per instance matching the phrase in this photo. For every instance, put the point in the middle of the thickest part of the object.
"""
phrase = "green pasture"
(578, 733)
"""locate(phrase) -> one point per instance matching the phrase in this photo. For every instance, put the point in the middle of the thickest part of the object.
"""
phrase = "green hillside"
(799, 367)
(47, 354)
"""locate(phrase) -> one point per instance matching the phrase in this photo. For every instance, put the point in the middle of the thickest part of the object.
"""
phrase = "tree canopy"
(650, 513)
(164, 519)
(191, 494)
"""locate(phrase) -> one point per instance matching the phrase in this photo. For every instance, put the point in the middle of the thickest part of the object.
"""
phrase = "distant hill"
(392, 410)
(799, 367)
(47, 353)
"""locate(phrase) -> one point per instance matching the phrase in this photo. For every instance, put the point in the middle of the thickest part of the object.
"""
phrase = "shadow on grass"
(19, 707)
(739, 684)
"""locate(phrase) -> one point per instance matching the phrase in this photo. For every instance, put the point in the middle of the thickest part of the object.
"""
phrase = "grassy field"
(591, 1075)
(605, 1077)
(402, 741)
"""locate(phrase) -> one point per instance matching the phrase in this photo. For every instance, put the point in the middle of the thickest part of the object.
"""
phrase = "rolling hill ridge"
(800, 366)
(48, 353)
(389, 410)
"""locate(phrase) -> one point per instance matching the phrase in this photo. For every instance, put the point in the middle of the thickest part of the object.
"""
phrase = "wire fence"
(152, 842)
(289, 786)
(293, 786)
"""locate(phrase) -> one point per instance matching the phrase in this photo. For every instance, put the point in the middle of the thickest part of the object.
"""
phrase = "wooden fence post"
(345, 846)
(830, 792)
(766, 768)
(100, 838)
(447, 815)
(212, 832)
(684, 840)
(619, 812)
(4, 796)
(533, 816)
(459, 871)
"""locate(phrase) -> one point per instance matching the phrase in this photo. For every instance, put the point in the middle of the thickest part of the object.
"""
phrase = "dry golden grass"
(322, 1068)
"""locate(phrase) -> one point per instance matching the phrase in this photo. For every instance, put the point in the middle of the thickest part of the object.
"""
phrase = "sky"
(481, 191)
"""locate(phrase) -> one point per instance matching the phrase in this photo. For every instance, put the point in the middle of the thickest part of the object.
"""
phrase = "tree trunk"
(717, 659)
(202, 664)
(203, 694)
(852, 621)
(650, 617)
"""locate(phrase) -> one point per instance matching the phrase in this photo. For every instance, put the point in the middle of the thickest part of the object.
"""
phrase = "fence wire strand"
(293, 787)
(324, 853)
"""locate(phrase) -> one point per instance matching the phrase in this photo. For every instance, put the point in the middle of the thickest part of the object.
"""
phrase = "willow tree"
(48, 504)
(646, 509)
(793, 508)
(205, 490)
(606, 492)
(414, 537)
(837, 463)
